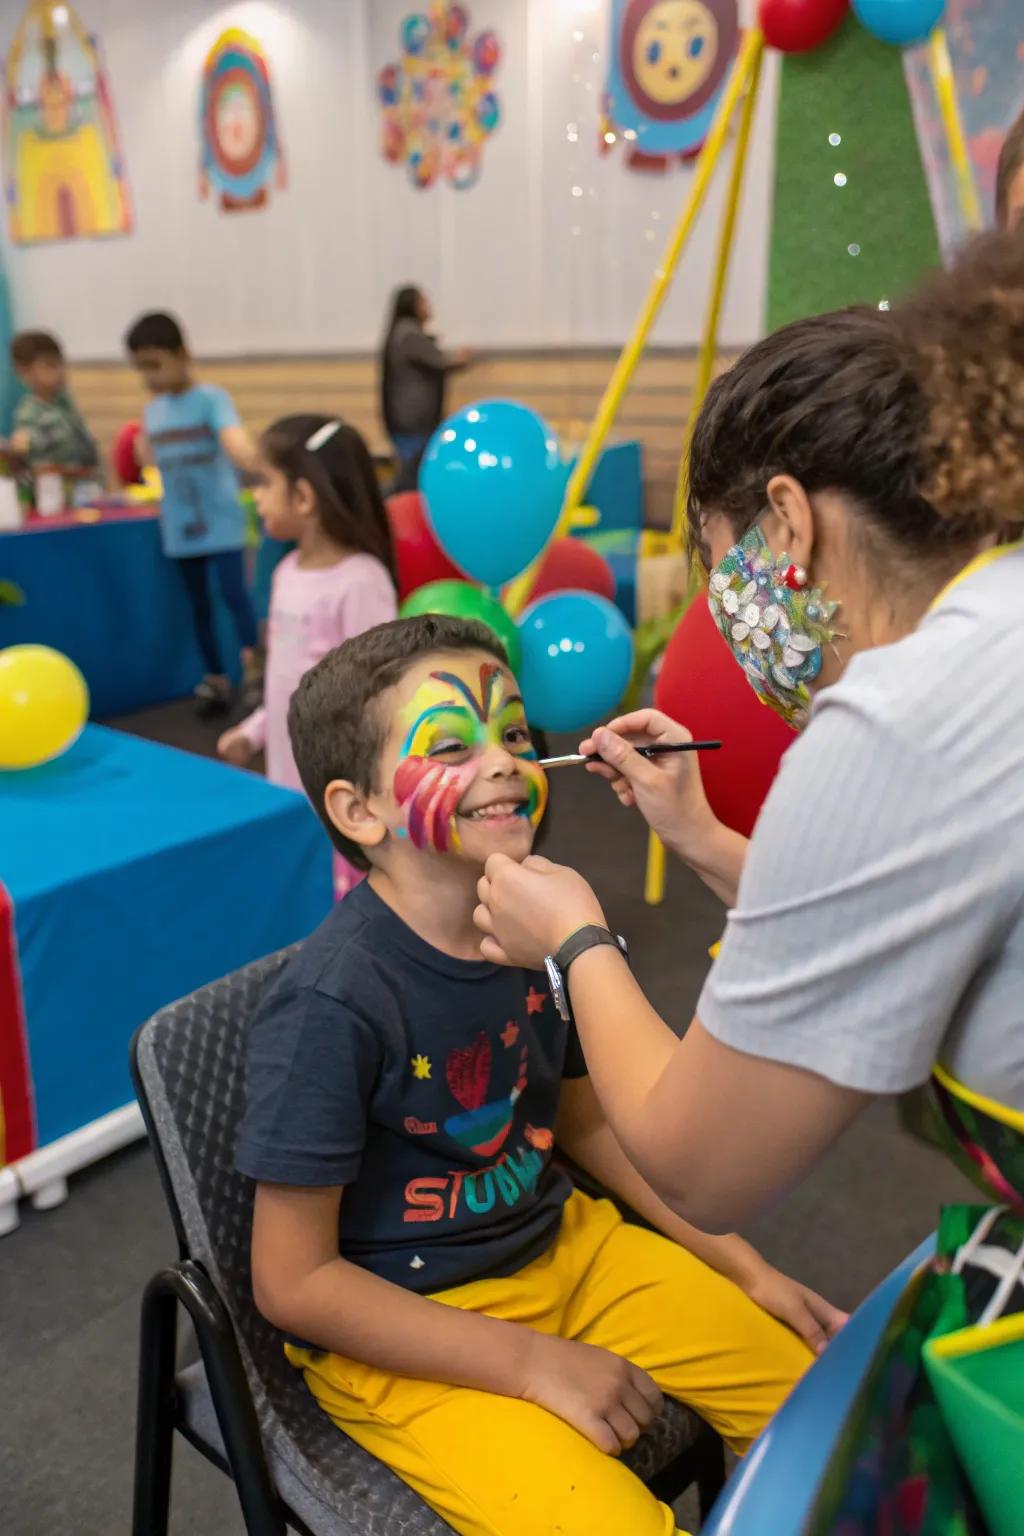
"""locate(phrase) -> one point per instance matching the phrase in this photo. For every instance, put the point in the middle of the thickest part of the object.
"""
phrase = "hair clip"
(322, 435)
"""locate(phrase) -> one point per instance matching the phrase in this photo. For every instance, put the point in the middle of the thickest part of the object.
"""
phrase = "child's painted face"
(465, 774)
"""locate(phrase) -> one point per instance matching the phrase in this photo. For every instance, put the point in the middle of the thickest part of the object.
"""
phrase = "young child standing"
(317, 488)
(494, 1335)
(198, 444)
(48, 428)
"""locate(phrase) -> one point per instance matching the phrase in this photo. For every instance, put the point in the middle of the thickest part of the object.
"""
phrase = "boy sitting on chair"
(455, 1306)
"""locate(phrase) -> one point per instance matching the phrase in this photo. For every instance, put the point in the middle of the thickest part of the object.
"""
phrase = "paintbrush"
(656, 751)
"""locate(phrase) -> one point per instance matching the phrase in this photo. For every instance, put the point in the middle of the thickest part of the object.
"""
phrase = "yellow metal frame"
(518, 593)
(941, 67)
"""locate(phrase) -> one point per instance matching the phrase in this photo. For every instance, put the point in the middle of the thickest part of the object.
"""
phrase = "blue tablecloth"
(772, 1490)
(139, 873)
(104, 594)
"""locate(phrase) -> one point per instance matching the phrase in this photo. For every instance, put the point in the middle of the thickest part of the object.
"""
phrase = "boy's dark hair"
(1011, 160)
(336, 729)
(28, 346)
(915, 416)
(157, 330)
(344, 481)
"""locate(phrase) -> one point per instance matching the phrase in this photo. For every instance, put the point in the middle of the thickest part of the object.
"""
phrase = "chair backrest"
(187, 1062)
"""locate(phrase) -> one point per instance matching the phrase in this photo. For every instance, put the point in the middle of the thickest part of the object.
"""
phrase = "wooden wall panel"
(565, 387)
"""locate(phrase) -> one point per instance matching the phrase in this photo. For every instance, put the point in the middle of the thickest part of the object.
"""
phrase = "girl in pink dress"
(319, 490)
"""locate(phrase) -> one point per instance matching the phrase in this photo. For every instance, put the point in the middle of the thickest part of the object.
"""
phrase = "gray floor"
(70, 1279)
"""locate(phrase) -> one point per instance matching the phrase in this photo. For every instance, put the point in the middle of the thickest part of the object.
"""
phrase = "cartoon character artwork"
(669, 60)
(240, 146)
(64, 174)
(438, 105)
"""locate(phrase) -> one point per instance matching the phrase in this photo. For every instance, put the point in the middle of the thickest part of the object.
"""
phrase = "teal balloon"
(493, 481)
(903, 22)
(461, 600)
(577, 660)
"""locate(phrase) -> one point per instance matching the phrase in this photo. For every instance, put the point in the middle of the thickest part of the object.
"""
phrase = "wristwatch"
(557, 965)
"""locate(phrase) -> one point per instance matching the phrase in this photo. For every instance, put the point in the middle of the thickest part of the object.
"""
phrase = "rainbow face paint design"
(451, 723)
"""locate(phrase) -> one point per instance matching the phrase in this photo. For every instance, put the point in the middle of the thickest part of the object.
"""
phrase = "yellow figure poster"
(64, 174)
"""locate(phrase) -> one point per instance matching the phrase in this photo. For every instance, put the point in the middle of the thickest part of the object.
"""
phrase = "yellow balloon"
(44, 704)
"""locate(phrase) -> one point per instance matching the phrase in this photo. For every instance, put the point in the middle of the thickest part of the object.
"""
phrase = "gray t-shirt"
(879, 925)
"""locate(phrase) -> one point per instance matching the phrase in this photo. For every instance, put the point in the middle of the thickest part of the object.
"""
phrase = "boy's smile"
(466, 780)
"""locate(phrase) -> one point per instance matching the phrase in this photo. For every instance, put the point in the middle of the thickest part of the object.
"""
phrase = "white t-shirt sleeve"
(865, 908)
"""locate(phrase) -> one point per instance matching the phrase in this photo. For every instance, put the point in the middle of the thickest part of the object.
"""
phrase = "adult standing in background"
(414, 371)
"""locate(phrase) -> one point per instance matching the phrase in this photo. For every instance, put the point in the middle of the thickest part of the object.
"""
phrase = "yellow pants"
(497, 1466)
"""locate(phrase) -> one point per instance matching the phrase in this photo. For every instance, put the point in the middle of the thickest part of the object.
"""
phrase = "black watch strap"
(583, 939)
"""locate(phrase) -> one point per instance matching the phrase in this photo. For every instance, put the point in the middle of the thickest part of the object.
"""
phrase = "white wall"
(515, 261)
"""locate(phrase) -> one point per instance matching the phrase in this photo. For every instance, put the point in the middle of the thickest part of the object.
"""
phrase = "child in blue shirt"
(198, 444)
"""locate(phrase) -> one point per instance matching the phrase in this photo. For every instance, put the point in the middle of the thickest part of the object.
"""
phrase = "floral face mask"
(774, 624)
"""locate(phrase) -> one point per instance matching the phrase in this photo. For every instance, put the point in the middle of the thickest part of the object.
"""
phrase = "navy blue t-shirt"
(427, 1086)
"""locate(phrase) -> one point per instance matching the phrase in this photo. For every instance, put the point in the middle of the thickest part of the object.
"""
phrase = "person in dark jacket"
(414, 372)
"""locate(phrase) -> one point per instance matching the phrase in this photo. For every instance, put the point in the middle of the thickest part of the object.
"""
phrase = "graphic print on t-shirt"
(481, 1127)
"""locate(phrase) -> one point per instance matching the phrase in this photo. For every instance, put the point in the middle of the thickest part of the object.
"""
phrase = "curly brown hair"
(915, 415)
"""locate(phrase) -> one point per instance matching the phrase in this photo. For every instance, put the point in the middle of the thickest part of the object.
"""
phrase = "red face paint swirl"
(429, 793)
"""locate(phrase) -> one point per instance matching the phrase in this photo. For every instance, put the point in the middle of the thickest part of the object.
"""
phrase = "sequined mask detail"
(775, 632)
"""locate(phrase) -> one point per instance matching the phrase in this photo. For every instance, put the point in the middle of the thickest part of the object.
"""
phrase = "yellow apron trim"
(979, 563)
(1014, 1118)
(968, 1341)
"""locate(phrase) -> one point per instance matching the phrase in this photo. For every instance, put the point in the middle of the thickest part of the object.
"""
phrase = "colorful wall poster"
(64, 174)
(240, 147)
(668, 62)
(438, 104)
(986, 46)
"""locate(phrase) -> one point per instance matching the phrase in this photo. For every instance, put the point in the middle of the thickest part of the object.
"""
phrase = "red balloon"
(701, 686)
(570, 563)
(418, 556)
(797, 26)
(126, 466)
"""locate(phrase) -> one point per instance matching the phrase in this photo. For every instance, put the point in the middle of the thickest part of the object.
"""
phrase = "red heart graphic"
(468, 1071)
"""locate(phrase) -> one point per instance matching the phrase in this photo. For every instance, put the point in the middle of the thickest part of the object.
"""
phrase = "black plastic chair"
(242, 1405)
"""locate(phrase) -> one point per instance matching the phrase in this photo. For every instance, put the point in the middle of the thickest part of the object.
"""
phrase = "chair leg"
(710, 1474)
(154, 1430)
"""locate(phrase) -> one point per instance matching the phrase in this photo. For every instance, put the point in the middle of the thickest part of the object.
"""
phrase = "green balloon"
(461, 600)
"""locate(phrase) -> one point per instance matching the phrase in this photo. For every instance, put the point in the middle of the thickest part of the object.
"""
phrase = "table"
(104, 594)
(136, 874)
(772, 1489)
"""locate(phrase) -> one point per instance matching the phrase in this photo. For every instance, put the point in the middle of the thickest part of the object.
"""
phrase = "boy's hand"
(235, 748)
(608, 1399)
(809, 1315)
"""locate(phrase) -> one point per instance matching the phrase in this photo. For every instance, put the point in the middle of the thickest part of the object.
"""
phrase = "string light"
(577, 191)
(854, 249)
(835, 139)
(883, 303)
(609, 137)
(840, 178)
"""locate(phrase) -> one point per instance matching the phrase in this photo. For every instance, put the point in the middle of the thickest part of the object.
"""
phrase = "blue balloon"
(577, 660)
(903, 22)
(493, 482)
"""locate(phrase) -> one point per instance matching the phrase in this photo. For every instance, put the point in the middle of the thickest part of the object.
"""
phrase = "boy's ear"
(347, 809)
